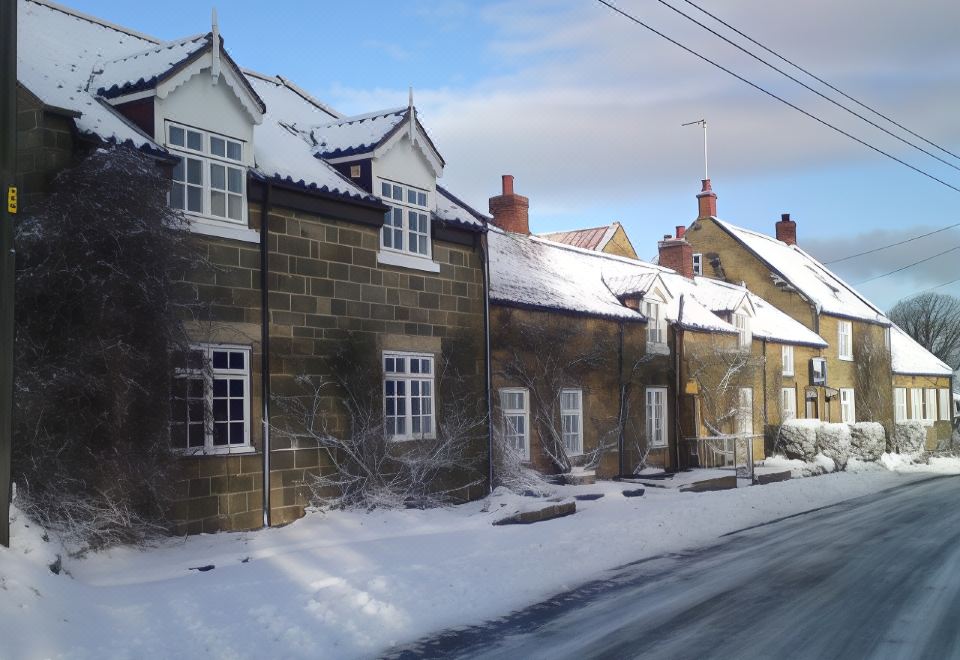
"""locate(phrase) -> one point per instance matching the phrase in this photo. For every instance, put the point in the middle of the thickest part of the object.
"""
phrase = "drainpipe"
(677, 349)
(766, 420)
(484, 259)
(622, 403)
(265, 345)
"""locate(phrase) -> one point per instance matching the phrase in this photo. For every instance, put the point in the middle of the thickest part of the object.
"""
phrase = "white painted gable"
(405, 163)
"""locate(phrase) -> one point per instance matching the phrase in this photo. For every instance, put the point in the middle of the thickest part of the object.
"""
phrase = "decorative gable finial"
(215, 52)
(411, 115)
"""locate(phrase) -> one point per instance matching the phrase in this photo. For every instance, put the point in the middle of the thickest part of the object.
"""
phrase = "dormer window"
(656, 323)
(210, 177)
(406, 227)
(744, 335)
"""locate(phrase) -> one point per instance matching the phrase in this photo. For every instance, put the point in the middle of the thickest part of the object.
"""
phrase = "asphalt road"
(876, 577)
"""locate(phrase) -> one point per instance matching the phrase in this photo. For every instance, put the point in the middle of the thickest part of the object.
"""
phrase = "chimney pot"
(681, 230)
(677, 253)
(510, 211)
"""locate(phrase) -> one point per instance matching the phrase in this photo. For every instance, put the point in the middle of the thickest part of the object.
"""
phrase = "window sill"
(222, 229)
(845, 358)
(402, 260)
(660, 348)
(413, 438)
(788, 375)
(218, 451)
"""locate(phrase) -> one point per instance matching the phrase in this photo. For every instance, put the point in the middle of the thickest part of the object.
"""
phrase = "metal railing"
(734, 452)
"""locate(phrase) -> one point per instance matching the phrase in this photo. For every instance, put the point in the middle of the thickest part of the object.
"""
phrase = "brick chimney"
(677, 253)
(707, 201)
(787, 230)
(509, 210)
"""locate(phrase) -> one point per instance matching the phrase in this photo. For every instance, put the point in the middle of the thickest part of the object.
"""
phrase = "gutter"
(485, 260)
(265, 344)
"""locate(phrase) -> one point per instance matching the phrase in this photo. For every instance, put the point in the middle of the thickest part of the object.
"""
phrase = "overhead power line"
(776, 97)
(884, 247)
(807, 87)
(911, 265)
(822, 81)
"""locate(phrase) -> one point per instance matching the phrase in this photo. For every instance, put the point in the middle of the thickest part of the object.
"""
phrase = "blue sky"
(585, 109)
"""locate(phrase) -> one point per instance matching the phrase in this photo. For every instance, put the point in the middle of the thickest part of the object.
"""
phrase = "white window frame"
(848, 405)
(944, 404)
(818, 367)
(845, 340)
(510, 412)
(210, 374)
(572, 440)
(656, 322)
(410, 379)
(208, 160)
(930, 404)
(745, 411)
(657, 412)
(698, 263)
(788, 403)
(405, 211)
(786, 360)
(899, 404)
(916, 403)
(744, 335)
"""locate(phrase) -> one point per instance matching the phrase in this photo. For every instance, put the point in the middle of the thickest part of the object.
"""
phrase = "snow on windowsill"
(407, 261)
(219, 229)
(217, 451)
(658, 347)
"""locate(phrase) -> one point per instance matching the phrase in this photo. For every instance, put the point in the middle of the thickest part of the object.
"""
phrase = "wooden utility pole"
(8, 165)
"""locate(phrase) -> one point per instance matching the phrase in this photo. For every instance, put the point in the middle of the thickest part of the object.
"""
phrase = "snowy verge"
(352, 584)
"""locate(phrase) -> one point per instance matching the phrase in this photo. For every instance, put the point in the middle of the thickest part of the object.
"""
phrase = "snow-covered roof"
(141, 69)
(283, 152)
(911, 359)
(358, 134)
(792, 267)
(58, 50)
(451, 209)
(533, 272)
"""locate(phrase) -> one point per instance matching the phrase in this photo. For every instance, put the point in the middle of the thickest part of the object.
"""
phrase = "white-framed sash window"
(571, 420)
(786, 360)
(745, 411)
(406, 226)
(899, 404)
(210, 177)
(408, 396)
(930, 404)
(845, 339)
(515, 410)
(848, 410)
(944, 404)
(916, 403)
(211, 400)
(788, 403)
(698, 263)
(656, 323)
(742, 323)
(657, 416)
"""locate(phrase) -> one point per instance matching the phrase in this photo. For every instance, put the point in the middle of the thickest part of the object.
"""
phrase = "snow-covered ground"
(351, 584)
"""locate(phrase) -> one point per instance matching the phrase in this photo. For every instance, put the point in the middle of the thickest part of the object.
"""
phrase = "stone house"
(672, 354)
(869, 366)
(922, 388)
(323, 231)
(611, 239)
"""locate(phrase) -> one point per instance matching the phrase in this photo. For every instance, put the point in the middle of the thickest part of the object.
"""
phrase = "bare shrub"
(343, 414)
(99, 329)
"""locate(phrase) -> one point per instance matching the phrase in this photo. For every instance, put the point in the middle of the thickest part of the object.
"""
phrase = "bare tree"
(546, 357)
(343, 414)
(872, 378)
(933, 320)
(721, 369)
(99, 330)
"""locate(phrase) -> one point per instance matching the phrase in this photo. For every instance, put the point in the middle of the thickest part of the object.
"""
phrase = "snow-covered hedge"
(798, 438)
(868, 440)
(833, 441)
(909, 437)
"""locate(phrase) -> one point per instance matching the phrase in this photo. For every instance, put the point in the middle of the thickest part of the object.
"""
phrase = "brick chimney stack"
(510, 211)
(707, 201)
(677, 253)
(787, 230)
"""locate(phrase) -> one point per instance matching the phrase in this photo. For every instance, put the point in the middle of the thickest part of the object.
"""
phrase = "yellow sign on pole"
(12, 199)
